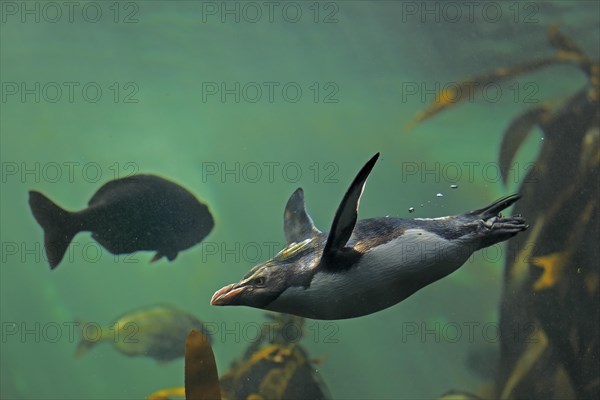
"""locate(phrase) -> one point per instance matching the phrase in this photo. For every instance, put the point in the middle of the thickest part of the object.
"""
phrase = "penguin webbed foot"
(498, 229)
(502, 226)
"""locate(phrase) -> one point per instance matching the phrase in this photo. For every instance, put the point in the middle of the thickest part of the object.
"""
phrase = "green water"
(155, 63)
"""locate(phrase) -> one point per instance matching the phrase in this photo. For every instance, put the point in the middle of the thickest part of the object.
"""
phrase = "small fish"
(140, 212)
(157, 331)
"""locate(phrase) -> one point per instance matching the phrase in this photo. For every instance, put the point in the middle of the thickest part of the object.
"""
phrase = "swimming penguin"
(359, 268)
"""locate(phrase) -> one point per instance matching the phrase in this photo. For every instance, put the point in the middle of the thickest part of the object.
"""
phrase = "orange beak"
(227, 296)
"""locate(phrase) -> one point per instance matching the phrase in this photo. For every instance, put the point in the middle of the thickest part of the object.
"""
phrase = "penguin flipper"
(347, 213)
(297, 224)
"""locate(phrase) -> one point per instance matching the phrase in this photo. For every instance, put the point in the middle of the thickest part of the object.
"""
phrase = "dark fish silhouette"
(141, 212)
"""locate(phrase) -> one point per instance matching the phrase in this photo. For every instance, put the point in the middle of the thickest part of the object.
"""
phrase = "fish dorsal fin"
(347, 214)
(297, 224)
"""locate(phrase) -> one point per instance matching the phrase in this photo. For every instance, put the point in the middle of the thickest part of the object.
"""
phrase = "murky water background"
(84, 102)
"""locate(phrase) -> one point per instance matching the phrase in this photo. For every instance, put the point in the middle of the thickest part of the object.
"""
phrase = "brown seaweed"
(273, 367)
(516, 133)
(453, 95)
(566, 52)
(550, 287)
(201, 377)
(552, 275)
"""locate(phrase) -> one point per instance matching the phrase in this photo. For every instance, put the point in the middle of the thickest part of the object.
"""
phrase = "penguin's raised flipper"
(346, 215)
(297, 224)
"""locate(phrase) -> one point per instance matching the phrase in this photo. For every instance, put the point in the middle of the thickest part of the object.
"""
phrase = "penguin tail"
(494, 209)
(59, 225)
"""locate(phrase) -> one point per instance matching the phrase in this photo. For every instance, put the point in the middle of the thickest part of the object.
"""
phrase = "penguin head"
(267, 281)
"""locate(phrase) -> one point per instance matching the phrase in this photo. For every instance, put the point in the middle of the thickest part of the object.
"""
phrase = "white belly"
(385, 275)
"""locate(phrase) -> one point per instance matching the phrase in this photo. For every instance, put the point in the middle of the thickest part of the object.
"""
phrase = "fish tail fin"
(59, 226)
(86, 342)
(84, 346)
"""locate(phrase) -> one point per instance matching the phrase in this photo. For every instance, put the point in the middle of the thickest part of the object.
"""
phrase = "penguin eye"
(260, 281)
